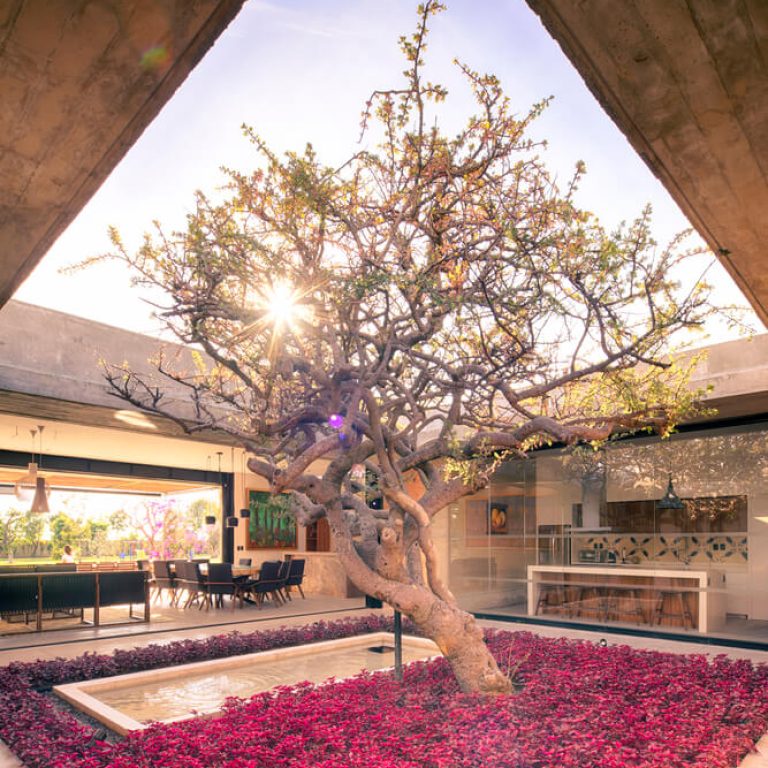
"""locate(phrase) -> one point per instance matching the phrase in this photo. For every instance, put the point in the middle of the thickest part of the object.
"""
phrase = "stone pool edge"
(79, 695)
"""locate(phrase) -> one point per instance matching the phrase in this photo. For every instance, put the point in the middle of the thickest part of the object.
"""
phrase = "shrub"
(581, 706)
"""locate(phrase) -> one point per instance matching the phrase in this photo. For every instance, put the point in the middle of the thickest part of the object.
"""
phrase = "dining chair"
(190, 579)
(282, 577)
(164, 580)
(295, 577)
(219, 583)
(267, 584)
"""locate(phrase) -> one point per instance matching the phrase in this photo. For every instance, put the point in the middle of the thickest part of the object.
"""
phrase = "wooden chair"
(624, 602)
(164, 579)
(551, 596)
(282, 576)
(592, 598)
(189, 578)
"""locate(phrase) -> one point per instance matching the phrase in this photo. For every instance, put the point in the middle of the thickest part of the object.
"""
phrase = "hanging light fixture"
(670, 500)
(245, 512)
(228, 514)
(210, 518)
(25, 486)
(40, 501)
(32, 487)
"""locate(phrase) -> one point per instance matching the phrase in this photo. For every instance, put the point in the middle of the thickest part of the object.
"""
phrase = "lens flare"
(282, 305)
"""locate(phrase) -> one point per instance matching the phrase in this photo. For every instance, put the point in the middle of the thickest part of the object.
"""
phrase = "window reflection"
(588, 510)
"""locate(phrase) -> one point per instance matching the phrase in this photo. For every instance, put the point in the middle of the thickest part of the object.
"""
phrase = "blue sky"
(300, 71)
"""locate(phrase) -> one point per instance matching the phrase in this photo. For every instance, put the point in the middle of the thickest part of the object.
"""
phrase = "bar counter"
(664, 596)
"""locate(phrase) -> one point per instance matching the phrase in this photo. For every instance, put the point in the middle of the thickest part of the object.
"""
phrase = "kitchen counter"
(669, 595)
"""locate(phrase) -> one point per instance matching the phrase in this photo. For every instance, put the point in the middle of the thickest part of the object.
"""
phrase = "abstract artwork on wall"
(271, 524)
(498, 521)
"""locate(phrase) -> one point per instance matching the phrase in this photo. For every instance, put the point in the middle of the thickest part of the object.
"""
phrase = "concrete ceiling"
(51, 409)
(80, 80)
(74, 481)
(687, 83)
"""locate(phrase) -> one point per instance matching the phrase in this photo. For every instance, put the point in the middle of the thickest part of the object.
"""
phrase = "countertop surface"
(604, 569)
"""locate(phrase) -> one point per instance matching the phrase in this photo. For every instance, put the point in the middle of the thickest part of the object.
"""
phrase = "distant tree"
(208, 537)
(119, 521)
(32, 528)
(160, 530)
(427, 309)
(11, 531)
(95, 537)
(64, 530)
(196, 512)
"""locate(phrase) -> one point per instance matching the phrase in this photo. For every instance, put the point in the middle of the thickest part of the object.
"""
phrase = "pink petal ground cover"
(582, 706)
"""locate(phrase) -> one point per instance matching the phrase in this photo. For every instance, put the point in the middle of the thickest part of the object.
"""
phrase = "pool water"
(130, 702)
(170, 699)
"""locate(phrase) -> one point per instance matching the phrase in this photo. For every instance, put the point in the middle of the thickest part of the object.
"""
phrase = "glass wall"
(654, 534)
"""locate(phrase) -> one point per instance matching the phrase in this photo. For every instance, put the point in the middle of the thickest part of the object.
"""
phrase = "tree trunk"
(460, 639)
(455, 631)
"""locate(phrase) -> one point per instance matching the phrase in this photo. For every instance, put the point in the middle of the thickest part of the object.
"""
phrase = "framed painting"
(271, 524)
(498, 522)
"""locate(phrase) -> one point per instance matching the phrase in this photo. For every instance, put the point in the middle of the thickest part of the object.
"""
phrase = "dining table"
(246, 570)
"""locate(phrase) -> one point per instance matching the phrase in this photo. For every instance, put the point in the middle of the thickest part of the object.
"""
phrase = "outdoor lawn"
(580, 705)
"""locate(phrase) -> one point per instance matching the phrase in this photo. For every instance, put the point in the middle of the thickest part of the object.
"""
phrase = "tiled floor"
(198, 624)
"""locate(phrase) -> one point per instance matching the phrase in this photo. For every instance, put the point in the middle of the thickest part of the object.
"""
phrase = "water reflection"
(206, 692)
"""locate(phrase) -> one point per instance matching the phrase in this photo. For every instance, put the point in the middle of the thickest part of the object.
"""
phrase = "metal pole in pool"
(398, 646)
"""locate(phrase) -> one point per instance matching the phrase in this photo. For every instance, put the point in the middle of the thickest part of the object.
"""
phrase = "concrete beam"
(687, 83)
(50, 369)
(80, 80)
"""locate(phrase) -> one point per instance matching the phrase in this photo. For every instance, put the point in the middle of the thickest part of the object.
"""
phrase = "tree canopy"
(435, 304)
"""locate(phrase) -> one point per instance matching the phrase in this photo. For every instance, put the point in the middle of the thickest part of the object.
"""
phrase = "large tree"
(434, 305)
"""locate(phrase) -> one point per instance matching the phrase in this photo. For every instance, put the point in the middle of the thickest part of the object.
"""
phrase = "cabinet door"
(319, 536)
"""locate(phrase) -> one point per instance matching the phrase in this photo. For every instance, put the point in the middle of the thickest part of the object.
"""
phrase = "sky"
(300, 71)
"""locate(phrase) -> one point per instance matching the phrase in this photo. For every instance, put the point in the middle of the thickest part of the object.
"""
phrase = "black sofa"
(42, 592)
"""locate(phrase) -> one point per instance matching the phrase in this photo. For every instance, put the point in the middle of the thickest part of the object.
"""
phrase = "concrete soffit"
(687, 83)
(80, 81)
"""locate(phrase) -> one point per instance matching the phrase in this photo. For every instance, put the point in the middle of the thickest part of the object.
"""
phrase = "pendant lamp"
(40, 500)
(32, 487)
(26, 486)
(670, 500)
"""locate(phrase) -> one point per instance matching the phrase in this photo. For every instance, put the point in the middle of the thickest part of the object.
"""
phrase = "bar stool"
(546, 593)
(592, 592)
(633, 605)
(683, 612)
